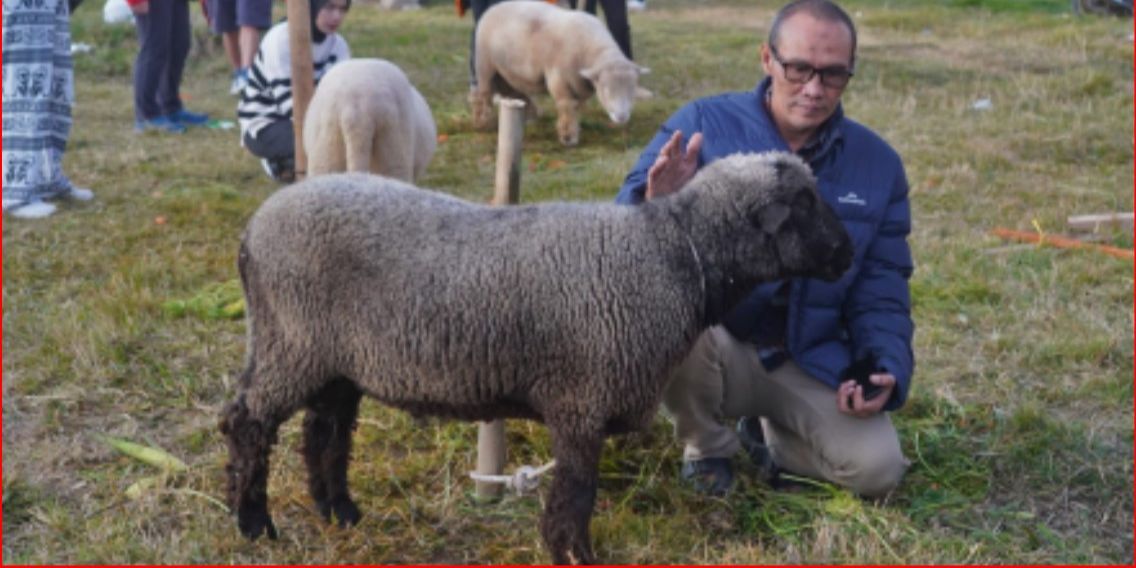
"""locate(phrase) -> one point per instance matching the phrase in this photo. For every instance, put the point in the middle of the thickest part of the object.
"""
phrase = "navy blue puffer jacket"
(867, 311)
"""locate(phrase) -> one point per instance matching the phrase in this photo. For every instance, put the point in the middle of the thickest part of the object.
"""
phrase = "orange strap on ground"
(1061, 242)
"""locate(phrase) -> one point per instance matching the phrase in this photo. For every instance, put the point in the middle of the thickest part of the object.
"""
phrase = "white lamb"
(524, 48)
(365, 116)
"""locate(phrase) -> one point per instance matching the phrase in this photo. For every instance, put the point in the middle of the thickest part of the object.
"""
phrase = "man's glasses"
(800, 72)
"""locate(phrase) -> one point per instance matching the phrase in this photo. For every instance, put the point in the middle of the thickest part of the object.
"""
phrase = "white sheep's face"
(615, 86)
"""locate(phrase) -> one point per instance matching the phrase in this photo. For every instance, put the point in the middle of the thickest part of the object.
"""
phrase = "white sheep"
(574, 314)
(523, 48)
(365, 116)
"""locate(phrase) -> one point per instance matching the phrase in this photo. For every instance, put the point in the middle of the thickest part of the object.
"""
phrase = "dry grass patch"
(1020, 422)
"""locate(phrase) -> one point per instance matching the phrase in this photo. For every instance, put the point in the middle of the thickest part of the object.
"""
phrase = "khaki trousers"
(723, 378)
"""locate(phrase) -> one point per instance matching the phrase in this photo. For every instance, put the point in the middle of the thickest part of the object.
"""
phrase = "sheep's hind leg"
(480, 97)
(250, 443)
(572, 497)
(328, 425)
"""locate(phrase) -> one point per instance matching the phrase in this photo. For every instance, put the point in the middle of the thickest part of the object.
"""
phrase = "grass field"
(1020, 422)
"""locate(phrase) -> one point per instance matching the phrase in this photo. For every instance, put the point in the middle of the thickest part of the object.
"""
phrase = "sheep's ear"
(591, 73)
(644, 70)
(772, 216)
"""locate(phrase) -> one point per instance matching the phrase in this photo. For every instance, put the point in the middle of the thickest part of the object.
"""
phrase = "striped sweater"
(267, 97)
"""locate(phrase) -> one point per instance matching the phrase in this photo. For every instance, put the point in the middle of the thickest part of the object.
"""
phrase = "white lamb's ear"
(591, 73)
(644, 70)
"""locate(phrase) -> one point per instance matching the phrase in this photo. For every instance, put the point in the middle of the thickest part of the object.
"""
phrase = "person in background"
(163, 46)
(784, 360)
(265, 108)
(240, 22)
(478, 7)
(38, 94)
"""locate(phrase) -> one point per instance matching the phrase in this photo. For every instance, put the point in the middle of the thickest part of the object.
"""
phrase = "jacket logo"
(852, 199)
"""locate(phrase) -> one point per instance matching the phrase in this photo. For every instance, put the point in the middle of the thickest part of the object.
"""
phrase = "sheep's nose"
(620, 117)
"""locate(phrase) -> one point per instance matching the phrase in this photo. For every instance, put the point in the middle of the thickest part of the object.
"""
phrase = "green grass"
(1019, 426)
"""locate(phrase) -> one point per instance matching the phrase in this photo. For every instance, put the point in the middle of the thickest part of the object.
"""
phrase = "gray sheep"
(573, 314)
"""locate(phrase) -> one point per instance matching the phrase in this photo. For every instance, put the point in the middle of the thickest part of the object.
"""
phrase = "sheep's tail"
(358, 133)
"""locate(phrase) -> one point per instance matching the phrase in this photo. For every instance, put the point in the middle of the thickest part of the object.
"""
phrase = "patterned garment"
(38, 93)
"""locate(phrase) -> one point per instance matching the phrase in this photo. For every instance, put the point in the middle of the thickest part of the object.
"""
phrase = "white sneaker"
(10, 203)
(279, 171)
(240, 79)
(33, 210)
(79, 194)
(636, 5)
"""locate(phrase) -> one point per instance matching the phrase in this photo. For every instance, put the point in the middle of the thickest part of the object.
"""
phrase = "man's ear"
(766, 58)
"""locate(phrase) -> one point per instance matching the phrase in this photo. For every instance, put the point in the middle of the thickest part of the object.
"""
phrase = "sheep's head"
(615, 84)
(785, 222)
(810, 240)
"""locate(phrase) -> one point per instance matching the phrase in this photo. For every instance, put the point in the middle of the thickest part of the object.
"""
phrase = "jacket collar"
(826, 136)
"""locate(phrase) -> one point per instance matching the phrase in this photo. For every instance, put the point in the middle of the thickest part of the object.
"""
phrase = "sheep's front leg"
(572, 497)
(250, 443)
(328, 426)
(568, 120)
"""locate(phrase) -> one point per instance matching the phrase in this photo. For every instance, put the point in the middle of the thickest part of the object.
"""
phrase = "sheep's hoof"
(344, 509)
(568, 132)
(582, 556)
(253, 524)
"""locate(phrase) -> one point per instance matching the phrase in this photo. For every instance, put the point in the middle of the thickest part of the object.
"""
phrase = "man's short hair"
(824, 10)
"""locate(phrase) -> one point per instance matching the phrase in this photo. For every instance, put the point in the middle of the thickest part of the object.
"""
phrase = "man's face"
(799, 108)
(331, 16)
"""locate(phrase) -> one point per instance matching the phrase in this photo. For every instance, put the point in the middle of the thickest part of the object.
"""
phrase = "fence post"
(506, 191)
(303, 84)
(510, 133)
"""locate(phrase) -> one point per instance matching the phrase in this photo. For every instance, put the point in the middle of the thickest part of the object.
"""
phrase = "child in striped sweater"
(265, 109)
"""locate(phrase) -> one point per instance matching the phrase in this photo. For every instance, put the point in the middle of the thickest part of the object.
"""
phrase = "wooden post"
(506, 191)
(1095, 222)
(300, 46)
(490, 457)
(510, 132)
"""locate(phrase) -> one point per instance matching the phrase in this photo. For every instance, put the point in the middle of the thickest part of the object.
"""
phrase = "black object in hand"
(860, 371)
